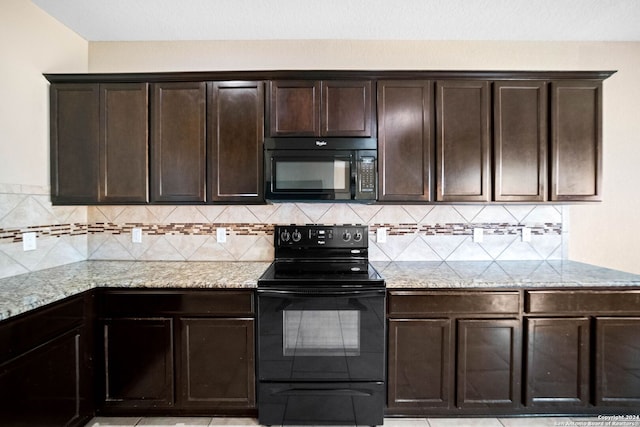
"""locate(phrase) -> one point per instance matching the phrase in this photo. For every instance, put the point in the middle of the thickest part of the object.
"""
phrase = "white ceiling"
(546, 20)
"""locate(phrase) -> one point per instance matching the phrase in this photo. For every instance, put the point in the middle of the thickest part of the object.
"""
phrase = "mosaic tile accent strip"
(244, 229)
(58, 230)
(185, 229)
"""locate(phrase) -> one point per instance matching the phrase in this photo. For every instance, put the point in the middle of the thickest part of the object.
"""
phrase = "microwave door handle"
(354, 180)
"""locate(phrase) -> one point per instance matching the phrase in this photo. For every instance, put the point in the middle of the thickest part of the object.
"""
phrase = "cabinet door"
(618, 361)
(346, 108)
(576, 140)
(405, 143)
(217, 359)
(74, 143)
(178, 125)
(236, 134)
(520, 141)
(489, 358)
(124, 142)
(138, 362)
(463, 144)
(43, 386)
(419, 363)
(294, 108)
(557, 362)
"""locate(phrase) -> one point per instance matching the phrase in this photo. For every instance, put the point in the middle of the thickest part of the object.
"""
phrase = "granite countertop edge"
(25, 292)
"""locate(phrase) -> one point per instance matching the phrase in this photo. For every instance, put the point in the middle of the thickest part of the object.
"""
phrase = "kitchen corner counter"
(25, 292)
(503, 274)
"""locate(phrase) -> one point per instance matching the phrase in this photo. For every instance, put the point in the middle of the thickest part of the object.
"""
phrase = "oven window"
(321, 332)
(311, 175)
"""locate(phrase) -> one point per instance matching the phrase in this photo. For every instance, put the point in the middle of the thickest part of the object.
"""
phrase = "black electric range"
(321, 329)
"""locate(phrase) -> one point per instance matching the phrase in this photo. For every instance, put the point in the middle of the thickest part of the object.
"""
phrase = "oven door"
(325, 335)
(306, 174)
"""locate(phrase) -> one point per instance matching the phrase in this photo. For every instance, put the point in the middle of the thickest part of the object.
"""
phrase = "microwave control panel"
(367, 173)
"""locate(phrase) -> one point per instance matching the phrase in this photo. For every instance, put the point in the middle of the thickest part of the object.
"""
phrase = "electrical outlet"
(478, 235)
(29, 241)
(381, 235)
(221, 234)
(526, 234)
(136, 235)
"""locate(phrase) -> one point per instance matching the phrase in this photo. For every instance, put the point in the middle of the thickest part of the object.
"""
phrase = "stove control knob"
(296, 235)
(285, 236)
(346, 236)
(357, 236)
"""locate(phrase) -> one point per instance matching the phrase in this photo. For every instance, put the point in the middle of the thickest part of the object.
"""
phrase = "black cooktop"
(321, 255)
(320, 274)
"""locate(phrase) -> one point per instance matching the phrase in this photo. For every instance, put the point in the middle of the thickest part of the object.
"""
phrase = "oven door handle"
(300, 295)
(323, 392)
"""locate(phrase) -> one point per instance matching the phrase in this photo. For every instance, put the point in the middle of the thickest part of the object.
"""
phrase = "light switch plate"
(29, 241)
(526, 234)
(221, 234)
(478, 235)
(136, 235)
(381, 235)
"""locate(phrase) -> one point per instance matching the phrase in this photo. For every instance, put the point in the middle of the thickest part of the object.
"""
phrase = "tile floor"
(388, 422)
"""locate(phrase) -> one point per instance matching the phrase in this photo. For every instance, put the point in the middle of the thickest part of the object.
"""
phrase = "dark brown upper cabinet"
(576, 140)
(74, 143)
(236, 134)
(178, 142)
(405, 140)
(99, 143)
(320, 108)
(124, 143)
(520, 141)
(463, 141)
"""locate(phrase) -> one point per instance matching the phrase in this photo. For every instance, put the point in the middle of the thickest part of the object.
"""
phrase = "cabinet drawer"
(22, 333)
(421, 303)
(589, 302)
(154, 302)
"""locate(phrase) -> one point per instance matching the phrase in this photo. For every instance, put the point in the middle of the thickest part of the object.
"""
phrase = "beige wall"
(605, 234)
(31, 43)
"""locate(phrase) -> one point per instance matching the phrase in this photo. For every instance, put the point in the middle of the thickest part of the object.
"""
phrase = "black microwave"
(340, 169)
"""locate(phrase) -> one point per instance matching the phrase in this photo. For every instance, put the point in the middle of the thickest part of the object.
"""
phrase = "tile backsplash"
(415, 232)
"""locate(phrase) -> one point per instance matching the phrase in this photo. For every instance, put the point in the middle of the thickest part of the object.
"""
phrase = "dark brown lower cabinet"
(45, 372)
(42, 387)
(453, 351)
(489, 354)
(419, 363)
(138, 362)
(618, 361)
(217, 363)
(557, 362)
(186, 352)
(428, 367)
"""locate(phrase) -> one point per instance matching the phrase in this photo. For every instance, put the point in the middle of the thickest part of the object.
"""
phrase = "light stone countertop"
(19, 294)
(501, 274)
(25, 292)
